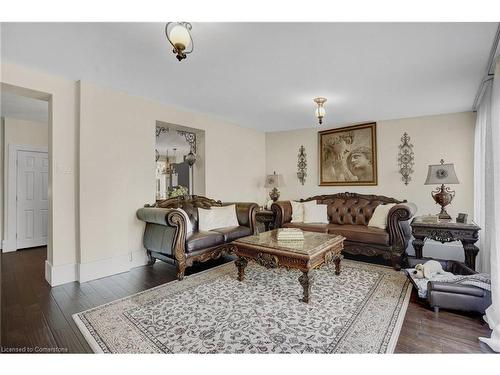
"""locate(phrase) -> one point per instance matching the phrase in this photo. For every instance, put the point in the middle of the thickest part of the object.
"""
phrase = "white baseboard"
(103, 267)
(8, 246)
(57, 275)
(138, 259)
(82, 272)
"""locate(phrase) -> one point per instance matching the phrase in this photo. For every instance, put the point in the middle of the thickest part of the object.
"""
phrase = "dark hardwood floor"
(37, 318)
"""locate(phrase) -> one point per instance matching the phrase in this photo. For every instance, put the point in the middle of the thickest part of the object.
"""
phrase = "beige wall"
(117, 166)
(449, 136)
(101, 146)
(17, 132)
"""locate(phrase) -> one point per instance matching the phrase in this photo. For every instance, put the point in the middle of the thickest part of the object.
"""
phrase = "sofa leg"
(396, 262)
(180, 272)
(151, 260)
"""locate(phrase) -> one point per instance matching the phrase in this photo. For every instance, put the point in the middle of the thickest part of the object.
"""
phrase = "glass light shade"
(180, 37)
(320, 112)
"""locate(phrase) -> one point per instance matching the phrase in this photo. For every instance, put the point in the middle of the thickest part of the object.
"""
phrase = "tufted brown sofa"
(349, 214)
(166, 237)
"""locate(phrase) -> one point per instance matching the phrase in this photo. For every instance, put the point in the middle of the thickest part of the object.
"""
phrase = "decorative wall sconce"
(320, 111)
(302, 165)
(405, 158)
(179, 36)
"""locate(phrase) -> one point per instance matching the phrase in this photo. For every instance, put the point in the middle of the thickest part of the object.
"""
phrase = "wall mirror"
(175, 156)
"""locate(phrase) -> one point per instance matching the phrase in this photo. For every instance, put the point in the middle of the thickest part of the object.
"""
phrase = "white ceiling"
(264, 75)
(24, 108)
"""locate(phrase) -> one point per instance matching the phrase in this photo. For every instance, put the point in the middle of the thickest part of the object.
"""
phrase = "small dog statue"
(429, 269)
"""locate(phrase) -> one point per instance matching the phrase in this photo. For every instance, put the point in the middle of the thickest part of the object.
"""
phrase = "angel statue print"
(348, 156)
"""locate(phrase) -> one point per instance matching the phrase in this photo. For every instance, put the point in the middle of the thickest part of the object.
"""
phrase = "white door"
(32, 198)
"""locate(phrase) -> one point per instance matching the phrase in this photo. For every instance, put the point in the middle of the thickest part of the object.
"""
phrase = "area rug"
(359, 311)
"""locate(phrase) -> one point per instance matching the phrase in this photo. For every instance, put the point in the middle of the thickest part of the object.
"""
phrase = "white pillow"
(217, 217)
(379, 217)
(316, 213)
(189, 225)
(298, 210)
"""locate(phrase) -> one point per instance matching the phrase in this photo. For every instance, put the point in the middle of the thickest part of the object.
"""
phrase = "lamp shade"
(274, 181)
(441, 174)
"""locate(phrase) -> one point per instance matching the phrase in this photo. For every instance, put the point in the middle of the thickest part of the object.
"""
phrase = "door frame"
(10, 193)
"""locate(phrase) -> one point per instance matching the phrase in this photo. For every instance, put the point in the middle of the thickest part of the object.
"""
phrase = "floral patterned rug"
(359, 311)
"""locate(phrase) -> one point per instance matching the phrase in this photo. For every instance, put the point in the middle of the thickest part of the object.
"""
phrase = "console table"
(447, 231)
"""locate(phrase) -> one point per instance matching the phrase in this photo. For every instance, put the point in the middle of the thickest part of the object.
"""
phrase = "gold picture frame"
(348, 155)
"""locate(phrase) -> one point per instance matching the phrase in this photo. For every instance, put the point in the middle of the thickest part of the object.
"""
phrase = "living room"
(263, 175)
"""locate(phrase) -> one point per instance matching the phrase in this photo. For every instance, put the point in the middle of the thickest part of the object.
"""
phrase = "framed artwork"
(348, 156)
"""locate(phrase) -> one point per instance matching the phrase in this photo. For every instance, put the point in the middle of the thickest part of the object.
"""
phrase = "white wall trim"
(57, 275)
(138, 258)
(83, 272)
(103, 267)
(10, 191)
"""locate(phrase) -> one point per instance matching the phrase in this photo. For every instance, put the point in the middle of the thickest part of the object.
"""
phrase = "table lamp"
(274, 181)
(440, 174)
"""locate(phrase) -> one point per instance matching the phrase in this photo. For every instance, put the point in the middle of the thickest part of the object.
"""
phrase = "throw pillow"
(379, 217)
(316, 213)
(189, 225)
(297, 212)
(217, 217)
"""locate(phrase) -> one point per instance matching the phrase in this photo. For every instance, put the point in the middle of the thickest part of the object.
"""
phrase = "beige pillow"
(379, 217)
(217, 217)
(297, 212)
(316, 213)
(189, 225)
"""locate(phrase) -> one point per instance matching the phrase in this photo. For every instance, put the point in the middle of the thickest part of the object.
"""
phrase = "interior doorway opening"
(25, 169)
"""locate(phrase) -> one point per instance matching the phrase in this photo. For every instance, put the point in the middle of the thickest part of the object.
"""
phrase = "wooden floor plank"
(34, 314)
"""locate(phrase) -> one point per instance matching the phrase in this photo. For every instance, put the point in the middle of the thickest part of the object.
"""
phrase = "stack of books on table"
(290, 234)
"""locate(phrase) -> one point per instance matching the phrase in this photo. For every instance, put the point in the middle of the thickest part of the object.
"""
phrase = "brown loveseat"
(349, 214)
(166, 237)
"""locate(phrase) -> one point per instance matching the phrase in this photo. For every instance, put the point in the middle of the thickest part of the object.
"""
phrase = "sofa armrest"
(282, 213)
(398, 225)
(172, 219)
(153, 215)
(245, 212)
(470, 290)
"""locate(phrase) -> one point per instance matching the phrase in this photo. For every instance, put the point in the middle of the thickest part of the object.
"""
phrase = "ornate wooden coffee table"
(265, 249)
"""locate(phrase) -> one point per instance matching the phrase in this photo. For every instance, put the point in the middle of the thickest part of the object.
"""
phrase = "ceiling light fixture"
(179, 36)
(320, 111)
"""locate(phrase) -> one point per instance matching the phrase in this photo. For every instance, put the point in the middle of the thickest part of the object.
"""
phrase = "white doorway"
(32, 198)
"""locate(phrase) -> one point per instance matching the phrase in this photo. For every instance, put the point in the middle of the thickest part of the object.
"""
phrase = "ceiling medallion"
(179, 36)
(320, 110)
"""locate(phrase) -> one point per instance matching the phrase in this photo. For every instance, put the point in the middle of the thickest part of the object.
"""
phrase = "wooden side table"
(447, 231)
(265, 217)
